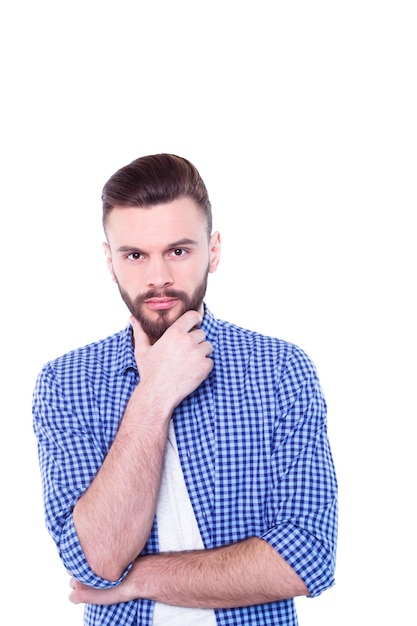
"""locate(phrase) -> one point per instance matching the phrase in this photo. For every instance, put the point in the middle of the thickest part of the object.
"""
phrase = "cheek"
(111, 269)
(195, 274)
(121, 273)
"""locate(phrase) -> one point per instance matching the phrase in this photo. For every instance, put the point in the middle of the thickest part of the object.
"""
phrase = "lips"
(161, 304)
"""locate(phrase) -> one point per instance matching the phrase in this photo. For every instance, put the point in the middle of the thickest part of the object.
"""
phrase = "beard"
(155, 328)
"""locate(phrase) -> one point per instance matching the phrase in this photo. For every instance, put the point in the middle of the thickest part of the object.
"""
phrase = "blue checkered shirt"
(253, 446)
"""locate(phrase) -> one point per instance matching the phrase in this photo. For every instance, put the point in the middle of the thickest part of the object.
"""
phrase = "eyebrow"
(176, 244)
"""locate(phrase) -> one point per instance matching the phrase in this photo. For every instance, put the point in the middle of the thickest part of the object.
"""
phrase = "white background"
(301, 117)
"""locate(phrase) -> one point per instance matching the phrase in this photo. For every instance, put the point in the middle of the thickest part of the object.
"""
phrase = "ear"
(109, 260)
(214, 251)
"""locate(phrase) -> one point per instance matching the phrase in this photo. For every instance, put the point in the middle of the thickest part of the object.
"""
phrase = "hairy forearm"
(114, 516)
(242, 574)
(245, 573)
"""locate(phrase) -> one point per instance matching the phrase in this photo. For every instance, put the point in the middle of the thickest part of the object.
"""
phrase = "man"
(186, 470)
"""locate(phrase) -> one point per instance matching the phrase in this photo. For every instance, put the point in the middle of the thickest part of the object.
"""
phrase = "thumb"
(141, 339)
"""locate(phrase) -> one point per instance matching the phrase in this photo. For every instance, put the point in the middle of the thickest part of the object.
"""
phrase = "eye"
(134, 256)
(179, 252)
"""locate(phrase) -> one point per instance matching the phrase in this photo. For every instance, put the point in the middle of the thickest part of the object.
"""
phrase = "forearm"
(245, 573)
(114, 516)
(242, 574)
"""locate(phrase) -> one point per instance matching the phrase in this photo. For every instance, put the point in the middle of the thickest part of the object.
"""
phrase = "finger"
(207, 348)
(199, 335)
(74, 597)
(188, 321)
(141, 338)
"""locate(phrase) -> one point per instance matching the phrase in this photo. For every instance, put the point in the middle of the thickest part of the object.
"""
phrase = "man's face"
(160, 258)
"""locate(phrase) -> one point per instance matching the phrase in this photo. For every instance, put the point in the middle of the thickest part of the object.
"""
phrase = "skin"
(160, 257)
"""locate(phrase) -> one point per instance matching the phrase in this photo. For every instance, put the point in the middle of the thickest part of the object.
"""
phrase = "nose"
(158, 273)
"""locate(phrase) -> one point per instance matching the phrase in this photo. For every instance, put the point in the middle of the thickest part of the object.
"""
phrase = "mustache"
(159, 293)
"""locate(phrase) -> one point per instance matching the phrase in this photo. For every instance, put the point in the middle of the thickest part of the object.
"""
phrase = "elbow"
(110, 571)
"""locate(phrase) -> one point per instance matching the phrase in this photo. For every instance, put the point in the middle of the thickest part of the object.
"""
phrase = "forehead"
(160, 223)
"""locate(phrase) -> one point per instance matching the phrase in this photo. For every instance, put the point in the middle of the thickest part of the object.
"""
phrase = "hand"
(83, 594)
(176, 364)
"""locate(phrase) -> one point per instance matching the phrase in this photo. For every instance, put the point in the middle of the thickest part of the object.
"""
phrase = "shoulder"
(268, 360)
(105, 354)
(91, 350)
(250, 342)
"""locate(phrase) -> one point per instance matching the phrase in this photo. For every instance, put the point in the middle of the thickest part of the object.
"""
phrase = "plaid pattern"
(253, 446)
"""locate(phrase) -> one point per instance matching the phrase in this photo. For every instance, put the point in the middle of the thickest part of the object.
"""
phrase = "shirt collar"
(125, 359)
(210, 325)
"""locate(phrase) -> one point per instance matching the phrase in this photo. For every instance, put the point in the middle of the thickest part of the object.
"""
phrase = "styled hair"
(155, 179)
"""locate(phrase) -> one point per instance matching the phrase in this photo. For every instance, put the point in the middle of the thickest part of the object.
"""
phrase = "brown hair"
(155, 179)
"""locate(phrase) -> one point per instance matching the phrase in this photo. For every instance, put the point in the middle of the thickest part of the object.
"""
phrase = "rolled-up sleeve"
(302, 508)
(69, 458)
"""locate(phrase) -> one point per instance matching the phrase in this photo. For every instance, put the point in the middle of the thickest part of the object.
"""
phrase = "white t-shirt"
(177, 530)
